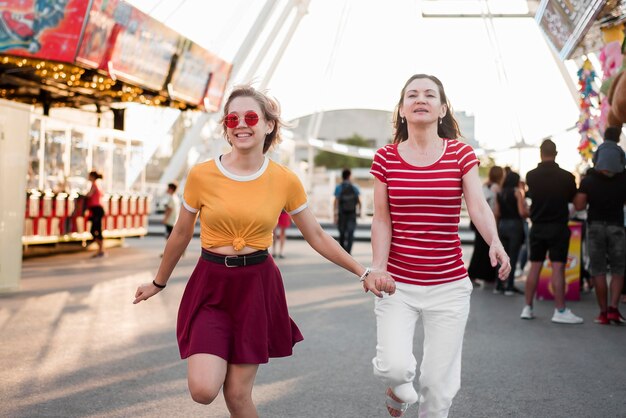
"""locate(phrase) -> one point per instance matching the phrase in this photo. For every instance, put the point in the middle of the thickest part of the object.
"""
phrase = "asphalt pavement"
(74, 345)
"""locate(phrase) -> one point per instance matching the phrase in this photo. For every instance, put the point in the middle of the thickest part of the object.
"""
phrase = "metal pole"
(301, 12)
(314, 128)
(571, 87)
(532, 8)
(270, 39)
(310, 168)
(251, 38)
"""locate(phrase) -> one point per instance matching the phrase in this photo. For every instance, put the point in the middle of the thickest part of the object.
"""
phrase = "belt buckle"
(226, 260)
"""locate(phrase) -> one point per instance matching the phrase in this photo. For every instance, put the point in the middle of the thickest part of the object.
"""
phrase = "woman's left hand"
(498, 256)
(379, 281)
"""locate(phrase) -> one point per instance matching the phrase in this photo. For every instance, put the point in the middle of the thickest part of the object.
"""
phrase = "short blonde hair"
(269, 106)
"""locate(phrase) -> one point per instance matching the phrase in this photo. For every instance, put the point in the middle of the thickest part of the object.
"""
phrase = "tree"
(486, 162)
(330, 160)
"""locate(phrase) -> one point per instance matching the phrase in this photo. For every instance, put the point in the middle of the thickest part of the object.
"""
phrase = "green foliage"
(331, 160)
(486, 162)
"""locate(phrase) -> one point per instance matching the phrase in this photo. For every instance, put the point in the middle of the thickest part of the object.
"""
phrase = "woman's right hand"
(145, 292)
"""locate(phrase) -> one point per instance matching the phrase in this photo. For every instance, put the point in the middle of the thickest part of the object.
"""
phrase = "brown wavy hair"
(269, 107)
(448, 128)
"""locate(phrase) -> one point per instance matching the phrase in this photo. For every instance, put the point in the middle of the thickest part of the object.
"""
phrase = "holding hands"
(378, 281)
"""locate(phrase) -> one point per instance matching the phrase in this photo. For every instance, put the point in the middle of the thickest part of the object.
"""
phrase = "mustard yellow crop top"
(241, 210)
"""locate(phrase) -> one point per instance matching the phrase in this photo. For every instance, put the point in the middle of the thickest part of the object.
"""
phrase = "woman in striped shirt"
(420, 180)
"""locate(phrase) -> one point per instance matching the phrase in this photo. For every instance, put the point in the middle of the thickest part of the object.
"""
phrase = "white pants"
(444, 310)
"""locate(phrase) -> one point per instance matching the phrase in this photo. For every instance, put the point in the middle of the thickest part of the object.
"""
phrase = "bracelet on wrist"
(366, 273)
(160, 286)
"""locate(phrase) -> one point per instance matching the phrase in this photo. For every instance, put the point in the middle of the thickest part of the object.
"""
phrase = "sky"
(359, 53)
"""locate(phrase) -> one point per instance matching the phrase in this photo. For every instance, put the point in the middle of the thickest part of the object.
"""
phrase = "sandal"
(398, 406)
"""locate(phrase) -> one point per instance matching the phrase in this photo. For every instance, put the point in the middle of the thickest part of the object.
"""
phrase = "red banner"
(97, 38)
(48, 30)
(143, 49)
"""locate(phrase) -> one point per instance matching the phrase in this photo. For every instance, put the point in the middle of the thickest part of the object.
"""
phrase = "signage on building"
(565, 22)
(143, 49)
(191, 73)
(97, 37)
(49, 30)
(108, 36)
(217, 84)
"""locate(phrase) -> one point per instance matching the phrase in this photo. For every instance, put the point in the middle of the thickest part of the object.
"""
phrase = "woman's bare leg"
(275, 238)
(206, 374)
(238, 390)
(283, 237)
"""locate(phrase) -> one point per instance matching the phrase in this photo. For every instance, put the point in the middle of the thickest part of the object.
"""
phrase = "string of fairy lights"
(74, 79)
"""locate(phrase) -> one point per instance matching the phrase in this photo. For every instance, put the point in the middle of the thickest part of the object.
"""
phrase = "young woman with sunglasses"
(420, 181)
(233, 315)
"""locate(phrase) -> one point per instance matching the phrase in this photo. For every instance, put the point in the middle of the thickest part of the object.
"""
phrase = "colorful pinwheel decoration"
(587, 124)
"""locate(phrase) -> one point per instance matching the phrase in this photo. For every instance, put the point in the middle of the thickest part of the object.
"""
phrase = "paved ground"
(73, 345)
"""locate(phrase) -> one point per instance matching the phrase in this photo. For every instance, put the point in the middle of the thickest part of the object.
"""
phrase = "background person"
(511, 210)
(233, 315)
(480, 265)
(549, 233)
(280, 234)
(603, 192)
(523, 252)
(172, 209)
(347, 208)
(96, 210)
(419, 183)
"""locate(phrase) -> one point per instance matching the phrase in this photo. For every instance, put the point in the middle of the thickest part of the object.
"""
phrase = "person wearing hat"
(603, 193)
(550, 189)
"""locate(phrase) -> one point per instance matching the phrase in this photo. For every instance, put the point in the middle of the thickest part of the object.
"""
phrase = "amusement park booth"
(68, 71)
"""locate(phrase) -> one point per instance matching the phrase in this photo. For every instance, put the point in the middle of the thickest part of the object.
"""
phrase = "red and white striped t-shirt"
(425, 207)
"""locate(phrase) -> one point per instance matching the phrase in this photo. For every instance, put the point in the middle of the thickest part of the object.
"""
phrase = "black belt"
(236, 260)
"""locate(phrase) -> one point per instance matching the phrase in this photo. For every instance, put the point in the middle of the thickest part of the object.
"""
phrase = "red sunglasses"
(232, 119)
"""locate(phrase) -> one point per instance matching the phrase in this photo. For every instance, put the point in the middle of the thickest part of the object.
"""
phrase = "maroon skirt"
(237, 313)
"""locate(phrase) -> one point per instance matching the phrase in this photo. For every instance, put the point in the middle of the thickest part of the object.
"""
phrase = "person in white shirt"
(172, 208)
